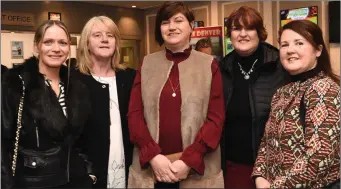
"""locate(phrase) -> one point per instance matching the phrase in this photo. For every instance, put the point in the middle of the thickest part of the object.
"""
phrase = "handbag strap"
(19, 121)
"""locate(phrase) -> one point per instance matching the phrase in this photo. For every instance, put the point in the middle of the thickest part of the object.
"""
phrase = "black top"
(96, 135)
(47, 136)
(268, 76)
(3, 69)
(238, 114)
(305, 75)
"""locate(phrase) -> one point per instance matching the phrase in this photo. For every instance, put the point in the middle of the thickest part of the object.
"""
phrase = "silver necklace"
(173, 94)
(247, 74)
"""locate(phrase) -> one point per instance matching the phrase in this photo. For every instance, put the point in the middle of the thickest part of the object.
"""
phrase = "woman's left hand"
(180, 169)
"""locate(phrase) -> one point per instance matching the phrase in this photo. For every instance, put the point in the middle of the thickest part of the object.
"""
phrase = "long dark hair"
(313, 34)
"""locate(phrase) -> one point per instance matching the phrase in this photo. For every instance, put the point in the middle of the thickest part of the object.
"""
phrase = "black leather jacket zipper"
(68, 164)
(37, 136)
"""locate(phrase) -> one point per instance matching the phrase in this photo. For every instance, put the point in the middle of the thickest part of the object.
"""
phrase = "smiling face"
(176, 32)
(102, 42)
(297, 54)
(54, 47)
(245, 41)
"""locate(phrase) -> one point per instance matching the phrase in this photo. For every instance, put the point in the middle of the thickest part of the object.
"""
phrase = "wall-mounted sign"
(17, 49)
(305, 13)
(55, 16)
(17, 19)
(227, 41)
(199, 24)
(214, 34)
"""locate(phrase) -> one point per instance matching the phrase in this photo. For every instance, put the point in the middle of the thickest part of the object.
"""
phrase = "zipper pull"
(37, 135)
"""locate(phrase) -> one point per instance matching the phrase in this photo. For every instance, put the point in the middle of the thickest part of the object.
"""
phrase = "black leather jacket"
(47, 154)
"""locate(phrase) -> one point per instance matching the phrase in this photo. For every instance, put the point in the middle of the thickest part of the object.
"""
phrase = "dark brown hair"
(203, 43)
(249, 18)
(167, 10)
(313, 34)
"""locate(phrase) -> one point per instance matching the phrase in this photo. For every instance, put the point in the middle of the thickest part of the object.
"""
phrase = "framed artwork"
(227, 41)
(16, 64)
(214, 34)
(199, 24)
(17, 49)
(55, 16)
(304, 13)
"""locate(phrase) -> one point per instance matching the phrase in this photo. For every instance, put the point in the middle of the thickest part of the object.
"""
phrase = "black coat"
(3, 69)
(44, 126)
(269, 77)
(96, 137)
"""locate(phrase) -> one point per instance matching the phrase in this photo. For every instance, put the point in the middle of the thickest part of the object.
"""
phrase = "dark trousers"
(81, 182)
(238, 176)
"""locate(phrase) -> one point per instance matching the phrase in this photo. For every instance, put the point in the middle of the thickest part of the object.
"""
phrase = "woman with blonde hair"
(106, 135)
(42, 116)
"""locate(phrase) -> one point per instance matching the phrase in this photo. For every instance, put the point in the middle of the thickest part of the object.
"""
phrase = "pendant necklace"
(173, 94)
(247, 74)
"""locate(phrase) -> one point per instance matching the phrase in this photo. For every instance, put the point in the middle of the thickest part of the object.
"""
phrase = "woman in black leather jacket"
(52, 117)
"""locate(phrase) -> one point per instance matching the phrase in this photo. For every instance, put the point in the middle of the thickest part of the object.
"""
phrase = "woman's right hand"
(262, 183)
(162, 169)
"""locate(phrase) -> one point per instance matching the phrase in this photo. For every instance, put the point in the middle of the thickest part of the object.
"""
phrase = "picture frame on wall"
(17, 49)
(54, 16)
(199, 24)
(14, 65)
(302, 13)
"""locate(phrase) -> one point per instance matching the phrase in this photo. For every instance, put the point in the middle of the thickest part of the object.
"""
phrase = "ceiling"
(128, 4)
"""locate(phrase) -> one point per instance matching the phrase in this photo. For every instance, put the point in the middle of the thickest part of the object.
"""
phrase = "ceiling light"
(133, 6)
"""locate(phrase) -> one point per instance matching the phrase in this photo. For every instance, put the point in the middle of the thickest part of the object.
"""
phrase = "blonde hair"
(41, 30)
(84, 63)
(39, 36)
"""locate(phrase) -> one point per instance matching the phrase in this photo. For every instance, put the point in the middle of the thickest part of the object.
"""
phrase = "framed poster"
(214, 34)
(55, 16)
(304, 13)
(17, 49)
(227, 41)
(16, 64)
(199, 24)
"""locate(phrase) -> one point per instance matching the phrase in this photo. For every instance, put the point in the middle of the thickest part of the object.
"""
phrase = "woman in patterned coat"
(301, 142)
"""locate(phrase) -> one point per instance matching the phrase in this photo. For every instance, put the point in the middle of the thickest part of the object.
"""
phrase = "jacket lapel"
(120, 89)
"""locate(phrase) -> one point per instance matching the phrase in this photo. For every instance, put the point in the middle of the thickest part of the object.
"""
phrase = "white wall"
(6, 39)
(335, 57)
(27, 39)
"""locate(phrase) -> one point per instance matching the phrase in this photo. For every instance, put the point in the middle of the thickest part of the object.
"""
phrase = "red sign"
(207, 32)
(214, 34)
